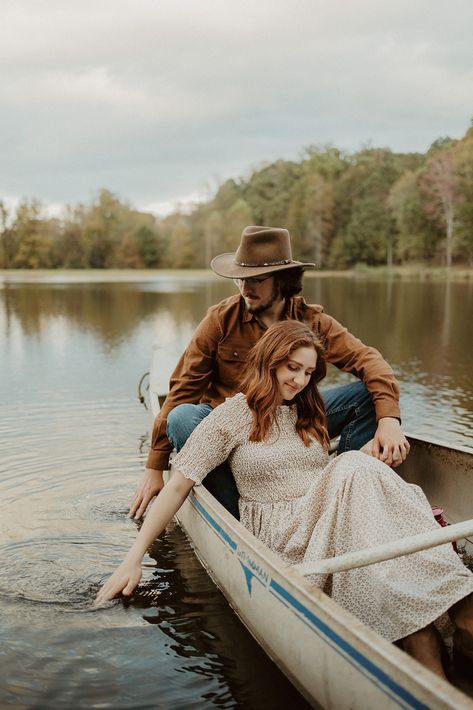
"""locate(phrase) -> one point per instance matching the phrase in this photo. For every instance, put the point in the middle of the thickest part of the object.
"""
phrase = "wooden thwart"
(388, 550)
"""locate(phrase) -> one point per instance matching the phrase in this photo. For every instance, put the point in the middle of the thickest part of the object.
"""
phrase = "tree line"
(372, 207)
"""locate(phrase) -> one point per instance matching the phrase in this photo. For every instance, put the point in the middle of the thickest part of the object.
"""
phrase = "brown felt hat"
(261, 251)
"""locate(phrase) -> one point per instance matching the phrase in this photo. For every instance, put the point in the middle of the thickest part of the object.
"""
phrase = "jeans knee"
(182, 420)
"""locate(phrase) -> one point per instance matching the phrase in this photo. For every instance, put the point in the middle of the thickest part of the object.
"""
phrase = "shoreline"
(410, 272)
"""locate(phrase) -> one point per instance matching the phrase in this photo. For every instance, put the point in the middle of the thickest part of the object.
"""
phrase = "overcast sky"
(162, 100)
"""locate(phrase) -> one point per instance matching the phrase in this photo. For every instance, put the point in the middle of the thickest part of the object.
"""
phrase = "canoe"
(332, 658)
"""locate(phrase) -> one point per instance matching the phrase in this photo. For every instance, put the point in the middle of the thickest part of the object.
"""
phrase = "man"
(364, 414)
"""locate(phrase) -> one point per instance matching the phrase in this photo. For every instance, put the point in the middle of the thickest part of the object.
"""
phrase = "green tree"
(364, 229)
(150, 246)
(69, 249)
(368, 235)
(268, 192)
(180, 251)
(100, 226)
(417, 237)
(310, 217)
(235, 220)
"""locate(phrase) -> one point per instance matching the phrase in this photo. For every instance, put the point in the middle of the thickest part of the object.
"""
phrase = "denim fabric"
(350, 415)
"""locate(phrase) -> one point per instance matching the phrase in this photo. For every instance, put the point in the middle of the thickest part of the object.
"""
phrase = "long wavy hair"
(260, 385)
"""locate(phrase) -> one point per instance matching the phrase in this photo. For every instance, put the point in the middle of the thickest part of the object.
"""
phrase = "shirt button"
(235, 354)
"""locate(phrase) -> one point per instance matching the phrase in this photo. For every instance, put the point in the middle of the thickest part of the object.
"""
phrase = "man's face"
(260, 293)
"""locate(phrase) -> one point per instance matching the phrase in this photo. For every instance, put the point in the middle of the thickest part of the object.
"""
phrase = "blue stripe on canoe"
(348, 650)
(218, 529)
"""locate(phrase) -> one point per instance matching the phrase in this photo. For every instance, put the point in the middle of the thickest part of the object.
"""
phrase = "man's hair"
(259, 382)
(289, 281)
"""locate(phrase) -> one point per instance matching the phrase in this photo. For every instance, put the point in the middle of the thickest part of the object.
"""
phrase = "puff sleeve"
(213, 440)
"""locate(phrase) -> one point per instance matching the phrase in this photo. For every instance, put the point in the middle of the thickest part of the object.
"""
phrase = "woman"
(305, 508)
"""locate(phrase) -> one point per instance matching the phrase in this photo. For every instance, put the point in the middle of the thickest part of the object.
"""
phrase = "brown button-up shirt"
(210, 367)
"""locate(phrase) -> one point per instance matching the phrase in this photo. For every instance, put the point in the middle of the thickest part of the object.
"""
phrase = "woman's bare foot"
(425, 646)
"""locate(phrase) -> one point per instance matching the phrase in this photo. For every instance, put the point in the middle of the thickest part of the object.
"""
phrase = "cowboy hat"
(261, 251)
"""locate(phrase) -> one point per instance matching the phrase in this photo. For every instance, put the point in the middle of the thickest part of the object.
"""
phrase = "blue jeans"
(350, 415)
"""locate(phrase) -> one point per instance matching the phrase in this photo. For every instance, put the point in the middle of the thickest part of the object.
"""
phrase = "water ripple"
(53, 571)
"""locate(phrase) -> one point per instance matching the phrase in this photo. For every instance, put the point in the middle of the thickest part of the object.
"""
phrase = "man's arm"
(349, 354)
(150, 485)
(188, 383)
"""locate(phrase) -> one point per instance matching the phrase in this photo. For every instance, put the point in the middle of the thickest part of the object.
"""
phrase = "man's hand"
(389, 443)
(151, 483)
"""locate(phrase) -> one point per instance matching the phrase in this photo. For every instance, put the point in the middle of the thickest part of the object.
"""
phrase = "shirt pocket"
(230, 364)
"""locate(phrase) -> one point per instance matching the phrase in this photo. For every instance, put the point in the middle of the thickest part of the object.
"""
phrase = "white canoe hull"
(332, 658)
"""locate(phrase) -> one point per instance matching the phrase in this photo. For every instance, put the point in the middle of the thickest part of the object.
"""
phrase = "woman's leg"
(461, 614)
(425, 646)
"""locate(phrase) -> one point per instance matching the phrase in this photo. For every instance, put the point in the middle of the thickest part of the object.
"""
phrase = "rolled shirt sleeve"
(188, 384)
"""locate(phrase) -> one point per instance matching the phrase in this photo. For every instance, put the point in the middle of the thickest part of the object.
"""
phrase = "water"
(73, 441)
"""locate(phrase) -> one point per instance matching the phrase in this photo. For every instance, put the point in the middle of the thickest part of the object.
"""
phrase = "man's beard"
(262, 307)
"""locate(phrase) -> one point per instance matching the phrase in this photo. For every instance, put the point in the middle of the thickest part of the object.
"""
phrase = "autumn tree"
(462, 155)
(7, 248)
(213, 232)
(32, 237)
(439, 186)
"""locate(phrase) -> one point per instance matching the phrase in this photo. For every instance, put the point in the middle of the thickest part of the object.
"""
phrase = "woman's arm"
(128, 574)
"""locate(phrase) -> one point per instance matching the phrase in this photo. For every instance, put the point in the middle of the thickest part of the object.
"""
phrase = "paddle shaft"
(388, 550)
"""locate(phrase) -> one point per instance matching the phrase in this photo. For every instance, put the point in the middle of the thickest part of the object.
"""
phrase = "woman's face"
(294, 374)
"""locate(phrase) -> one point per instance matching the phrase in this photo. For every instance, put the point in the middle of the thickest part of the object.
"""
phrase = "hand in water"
(124, 580)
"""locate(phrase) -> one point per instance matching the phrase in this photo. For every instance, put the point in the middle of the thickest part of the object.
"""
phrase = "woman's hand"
(128, 574)
(125, 579)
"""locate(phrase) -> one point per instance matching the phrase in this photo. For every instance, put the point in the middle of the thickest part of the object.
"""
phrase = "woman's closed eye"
(296, 368)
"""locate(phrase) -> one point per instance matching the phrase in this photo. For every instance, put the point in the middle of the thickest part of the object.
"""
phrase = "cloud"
(156, 100)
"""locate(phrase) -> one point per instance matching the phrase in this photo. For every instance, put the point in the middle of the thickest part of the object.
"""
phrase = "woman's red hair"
(260, 386)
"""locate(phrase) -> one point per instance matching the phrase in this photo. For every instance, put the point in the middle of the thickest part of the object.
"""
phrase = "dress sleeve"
(213, 440)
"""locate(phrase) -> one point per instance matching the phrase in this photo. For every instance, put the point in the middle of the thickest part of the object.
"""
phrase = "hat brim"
(224, 265)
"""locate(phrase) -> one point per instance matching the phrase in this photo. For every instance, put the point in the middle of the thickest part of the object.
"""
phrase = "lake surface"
(73, 442)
